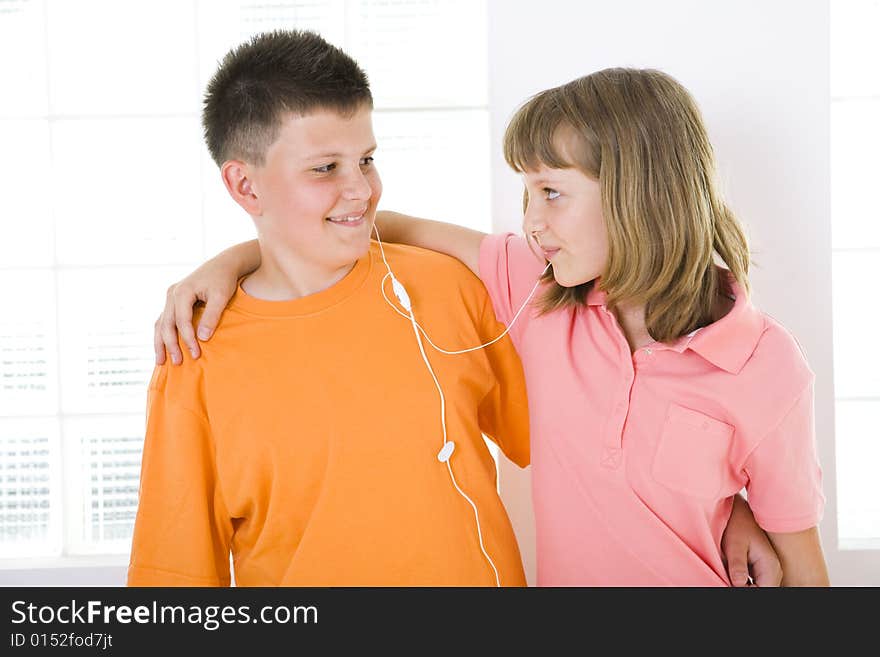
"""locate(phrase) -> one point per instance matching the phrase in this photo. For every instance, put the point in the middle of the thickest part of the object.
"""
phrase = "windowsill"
(851, 544)
(69, 561)
(79, 570)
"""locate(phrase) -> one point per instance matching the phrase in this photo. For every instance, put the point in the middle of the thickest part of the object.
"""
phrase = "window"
(115, 197)
(855, 221)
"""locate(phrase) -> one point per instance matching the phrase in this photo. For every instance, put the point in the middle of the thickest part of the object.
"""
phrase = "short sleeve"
(509, 270)
(503, 411)
(182, 532)
(785, 479)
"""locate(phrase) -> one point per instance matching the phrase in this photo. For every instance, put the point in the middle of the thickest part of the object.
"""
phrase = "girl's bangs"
(529, 139)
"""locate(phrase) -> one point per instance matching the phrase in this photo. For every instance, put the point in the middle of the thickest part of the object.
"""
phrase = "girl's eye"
(327, 168)
(367, 161)
(550, 194)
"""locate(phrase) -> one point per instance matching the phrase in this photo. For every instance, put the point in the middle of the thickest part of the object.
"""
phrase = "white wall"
(759, 71)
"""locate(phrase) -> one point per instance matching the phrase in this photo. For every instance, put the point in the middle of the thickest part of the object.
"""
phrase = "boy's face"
(317, 190)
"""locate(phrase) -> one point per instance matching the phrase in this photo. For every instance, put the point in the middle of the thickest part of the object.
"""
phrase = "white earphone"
(448, 447)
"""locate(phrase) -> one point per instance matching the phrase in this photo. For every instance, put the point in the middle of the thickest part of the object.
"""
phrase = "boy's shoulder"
(437, 283)
(190, 372)
(417, 256)
(429, 266)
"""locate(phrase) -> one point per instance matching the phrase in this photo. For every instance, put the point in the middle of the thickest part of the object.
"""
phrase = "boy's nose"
(357, 187)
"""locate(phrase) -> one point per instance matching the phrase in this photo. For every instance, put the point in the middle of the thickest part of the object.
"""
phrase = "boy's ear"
(239, 183)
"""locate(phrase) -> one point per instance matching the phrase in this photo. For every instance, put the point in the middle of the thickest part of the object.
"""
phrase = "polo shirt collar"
(728, 343)
(731, 341)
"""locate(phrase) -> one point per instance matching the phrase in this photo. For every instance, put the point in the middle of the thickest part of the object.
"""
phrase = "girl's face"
(564, 223)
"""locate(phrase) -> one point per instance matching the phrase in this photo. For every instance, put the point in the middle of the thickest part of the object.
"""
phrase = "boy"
(305, 440)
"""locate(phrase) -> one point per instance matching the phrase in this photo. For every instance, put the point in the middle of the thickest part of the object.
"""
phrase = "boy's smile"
(351, 220)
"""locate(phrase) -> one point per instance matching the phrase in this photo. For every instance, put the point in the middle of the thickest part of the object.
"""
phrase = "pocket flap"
(692, 453)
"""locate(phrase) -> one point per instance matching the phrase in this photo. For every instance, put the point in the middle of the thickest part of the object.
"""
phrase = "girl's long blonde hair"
(640, 134)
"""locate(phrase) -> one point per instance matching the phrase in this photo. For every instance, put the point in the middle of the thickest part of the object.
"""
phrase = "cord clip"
(446, 452)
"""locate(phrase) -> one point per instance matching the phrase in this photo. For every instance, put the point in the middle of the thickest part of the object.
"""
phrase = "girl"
(656, 390)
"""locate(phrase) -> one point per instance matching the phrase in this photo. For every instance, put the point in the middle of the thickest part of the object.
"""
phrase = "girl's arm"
(803, 563)
(456, 241)
(214, 284)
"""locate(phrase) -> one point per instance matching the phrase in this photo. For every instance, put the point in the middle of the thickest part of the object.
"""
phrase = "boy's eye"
(367, 161)
(327, 168)
(550, 194)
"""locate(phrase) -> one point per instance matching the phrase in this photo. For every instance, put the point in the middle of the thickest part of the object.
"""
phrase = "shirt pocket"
(692, 453)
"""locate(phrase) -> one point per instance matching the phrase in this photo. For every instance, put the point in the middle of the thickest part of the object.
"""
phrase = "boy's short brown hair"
(275, 74)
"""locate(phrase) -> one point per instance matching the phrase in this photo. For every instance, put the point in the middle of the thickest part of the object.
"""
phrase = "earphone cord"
(416, 329)
(419, 326)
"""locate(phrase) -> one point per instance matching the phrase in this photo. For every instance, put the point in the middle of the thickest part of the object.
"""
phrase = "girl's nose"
(533, 226)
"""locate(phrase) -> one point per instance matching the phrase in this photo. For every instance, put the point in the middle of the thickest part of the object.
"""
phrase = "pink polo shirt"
(636, 456)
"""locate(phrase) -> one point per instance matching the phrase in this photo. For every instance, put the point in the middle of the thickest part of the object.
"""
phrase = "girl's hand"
(213, 284)
(176, 318)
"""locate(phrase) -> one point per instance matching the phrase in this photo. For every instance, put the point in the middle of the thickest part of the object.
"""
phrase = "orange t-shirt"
(304, 440)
